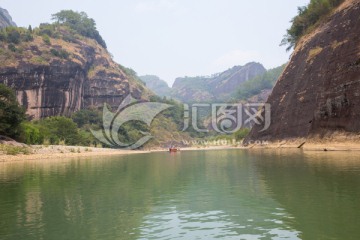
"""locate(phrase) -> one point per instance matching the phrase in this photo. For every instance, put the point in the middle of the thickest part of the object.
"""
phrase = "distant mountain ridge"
(259, 88)
(157, 85)
(5, 19)
(217, 87)
(251, 82)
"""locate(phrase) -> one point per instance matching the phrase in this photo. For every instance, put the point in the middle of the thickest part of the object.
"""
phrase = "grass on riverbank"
(14, 150)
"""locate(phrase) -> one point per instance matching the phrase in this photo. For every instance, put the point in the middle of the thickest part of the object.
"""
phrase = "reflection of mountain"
(83, 200)
(225, 199)
(122, 197)
(223, 194)
(321, 191)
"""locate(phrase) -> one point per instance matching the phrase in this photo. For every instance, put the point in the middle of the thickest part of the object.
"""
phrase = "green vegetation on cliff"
(80, 23)
(49, 41)
(15, 35)
(261, 82)
(72, 40)
(65, 52)
(68, 26)
(307, 18)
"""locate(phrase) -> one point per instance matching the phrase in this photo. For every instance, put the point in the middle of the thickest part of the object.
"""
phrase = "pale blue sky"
(174, 38)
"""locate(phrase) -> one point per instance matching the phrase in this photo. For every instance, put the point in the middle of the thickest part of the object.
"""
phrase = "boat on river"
(173, 150)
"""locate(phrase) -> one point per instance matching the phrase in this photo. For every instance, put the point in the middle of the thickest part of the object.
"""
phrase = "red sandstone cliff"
(319, 91)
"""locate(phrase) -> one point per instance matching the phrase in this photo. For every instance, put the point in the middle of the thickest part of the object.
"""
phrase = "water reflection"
(225, 200)
(320, 189)
(231, 194)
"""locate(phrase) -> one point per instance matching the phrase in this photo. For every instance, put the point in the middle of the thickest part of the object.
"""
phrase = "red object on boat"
(173, 149)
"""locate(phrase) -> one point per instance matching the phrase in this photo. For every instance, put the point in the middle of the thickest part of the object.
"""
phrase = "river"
(215, 194)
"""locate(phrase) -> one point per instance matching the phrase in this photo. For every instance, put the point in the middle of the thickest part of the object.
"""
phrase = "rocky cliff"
(61, 74)
(157, 85)
(217, 87)
(5, 19)
(319, 91)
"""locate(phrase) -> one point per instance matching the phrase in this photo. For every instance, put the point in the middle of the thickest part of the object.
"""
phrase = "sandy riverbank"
(311, 145)
(57, 152)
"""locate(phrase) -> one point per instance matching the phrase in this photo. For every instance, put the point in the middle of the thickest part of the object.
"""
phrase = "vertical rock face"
(47, 85)
(5, 19)
(319, 91)
(46, 90)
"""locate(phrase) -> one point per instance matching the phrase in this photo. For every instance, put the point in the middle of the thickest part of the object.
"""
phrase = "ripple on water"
(173, 224)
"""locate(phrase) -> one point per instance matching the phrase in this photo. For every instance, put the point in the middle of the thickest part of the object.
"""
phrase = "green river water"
(227, 194)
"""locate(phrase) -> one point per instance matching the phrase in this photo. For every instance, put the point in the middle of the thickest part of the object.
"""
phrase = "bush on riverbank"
(56, 131)
(11, 114)
(76, 131)
(14, 150)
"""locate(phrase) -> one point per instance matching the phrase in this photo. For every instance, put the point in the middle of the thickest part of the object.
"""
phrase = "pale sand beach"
(311, 145)
(57, 152)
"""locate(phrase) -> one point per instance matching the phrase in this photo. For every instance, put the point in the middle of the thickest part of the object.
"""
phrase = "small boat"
(172, 150)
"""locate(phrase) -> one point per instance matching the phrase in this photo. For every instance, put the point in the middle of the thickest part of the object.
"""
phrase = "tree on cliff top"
(11, 114)
(81, 23)
(307, 18)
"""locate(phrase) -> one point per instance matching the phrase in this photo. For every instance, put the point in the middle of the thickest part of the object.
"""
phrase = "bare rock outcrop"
(48, 84)
(5, 19)
(319, 91)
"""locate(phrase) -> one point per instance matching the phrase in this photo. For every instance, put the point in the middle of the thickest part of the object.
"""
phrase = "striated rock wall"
(47, 85)
(319, 91)
(46, 90)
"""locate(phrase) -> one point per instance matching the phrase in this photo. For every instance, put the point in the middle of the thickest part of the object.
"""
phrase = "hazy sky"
(174, 38)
